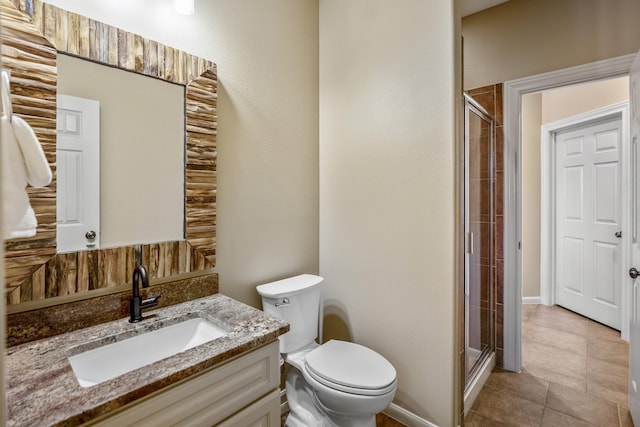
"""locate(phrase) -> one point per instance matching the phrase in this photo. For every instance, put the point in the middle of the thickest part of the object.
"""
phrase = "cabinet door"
(264, 413)
(208, 398)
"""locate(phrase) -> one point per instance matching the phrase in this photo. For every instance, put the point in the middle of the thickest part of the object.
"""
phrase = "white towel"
(24, 163)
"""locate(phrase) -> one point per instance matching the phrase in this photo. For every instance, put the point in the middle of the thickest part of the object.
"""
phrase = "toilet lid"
(351, 365)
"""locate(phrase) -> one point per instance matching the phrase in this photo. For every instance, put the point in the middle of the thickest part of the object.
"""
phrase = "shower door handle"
(470, 243)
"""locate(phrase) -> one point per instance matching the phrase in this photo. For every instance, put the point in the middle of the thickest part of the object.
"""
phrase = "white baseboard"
(531, 300)
(406, 417)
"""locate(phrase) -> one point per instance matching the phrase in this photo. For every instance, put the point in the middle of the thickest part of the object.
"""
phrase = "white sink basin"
(109, 361)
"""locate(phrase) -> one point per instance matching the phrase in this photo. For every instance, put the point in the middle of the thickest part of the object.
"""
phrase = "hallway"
(575, 373)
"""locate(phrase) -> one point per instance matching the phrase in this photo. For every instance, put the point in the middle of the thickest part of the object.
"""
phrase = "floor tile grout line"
(619, 417)
(572, 416)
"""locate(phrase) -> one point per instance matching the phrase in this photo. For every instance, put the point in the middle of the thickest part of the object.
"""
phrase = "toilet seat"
(350, 368)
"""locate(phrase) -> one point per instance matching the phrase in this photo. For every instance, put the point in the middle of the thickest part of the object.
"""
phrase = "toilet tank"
(295, 300)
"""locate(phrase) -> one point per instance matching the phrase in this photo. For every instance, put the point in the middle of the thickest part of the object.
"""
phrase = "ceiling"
(470, 7)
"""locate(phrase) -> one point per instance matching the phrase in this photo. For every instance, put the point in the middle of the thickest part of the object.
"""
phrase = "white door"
(634, 327)
(78, 173)
(588, 219)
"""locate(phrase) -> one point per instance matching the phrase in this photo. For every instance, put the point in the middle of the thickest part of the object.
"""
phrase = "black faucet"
(136, 305)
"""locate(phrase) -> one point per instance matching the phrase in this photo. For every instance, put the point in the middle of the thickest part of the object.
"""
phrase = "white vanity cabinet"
(241, 392)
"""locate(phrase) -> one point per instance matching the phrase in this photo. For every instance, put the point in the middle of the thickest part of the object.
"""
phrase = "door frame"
(547, 196)
(512, 204)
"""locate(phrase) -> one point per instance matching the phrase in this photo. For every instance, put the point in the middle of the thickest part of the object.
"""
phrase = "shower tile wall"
(490, 97)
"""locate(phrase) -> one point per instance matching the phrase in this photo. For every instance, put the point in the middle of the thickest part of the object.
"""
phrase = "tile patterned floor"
(575, 373)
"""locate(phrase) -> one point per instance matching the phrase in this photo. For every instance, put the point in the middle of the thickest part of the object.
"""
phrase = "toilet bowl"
(336, 384)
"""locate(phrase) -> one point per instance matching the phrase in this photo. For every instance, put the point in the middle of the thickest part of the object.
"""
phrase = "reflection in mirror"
(141, 158)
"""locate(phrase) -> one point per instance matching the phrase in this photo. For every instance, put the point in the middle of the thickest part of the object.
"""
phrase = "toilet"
(336, 384)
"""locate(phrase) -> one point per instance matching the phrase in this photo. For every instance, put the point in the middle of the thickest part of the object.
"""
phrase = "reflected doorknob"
(633, 273)
(618, 234)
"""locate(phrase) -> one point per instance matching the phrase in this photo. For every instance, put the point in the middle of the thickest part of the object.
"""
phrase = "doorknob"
(90, 235)
(633, 273)
(618, 234)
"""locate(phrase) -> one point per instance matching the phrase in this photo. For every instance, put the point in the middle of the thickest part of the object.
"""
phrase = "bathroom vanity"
(231, 380)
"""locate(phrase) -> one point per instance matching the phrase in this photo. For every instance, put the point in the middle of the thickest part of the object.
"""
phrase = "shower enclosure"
(479, 225)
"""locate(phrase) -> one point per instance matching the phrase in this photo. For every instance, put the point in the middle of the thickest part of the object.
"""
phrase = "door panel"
(588, 215)
(606, 141)
(572, 264)
(573, 146)
(574, 181)
(607, 196)
(605, 256)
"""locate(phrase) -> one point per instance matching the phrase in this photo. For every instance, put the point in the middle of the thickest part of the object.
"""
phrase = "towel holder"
(7, 107)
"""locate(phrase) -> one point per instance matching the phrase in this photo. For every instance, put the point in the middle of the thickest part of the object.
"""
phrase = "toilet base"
(294, 421)
(306, 411)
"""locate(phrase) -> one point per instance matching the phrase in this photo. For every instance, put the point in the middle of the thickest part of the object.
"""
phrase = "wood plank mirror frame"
(33, 33)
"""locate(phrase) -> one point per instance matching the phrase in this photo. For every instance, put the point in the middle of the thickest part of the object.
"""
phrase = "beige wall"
(141, 151)
(531, 122)
(569, 101)
(387, 188)
(267, 57)
(520, 38)
(539, 109)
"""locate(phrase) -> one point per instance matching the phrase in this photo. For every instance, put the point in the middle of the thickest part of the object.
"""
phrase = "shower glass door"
(479, 226)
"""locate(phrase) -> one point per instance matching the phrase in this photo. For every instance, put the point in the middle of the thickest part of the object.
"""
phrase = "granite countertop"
(42, 389)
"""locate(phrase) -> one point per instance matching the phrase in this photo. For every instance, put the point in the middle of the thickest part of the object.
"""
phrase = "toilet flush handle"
(284, 301)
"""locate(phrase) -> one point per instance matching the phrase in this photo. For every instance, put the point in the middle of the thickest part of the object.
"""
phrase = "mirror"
(33, 33)
(135, 192)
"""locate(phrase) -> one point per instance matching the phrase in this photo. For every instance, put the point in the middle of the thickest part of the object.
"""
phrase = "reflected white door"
(588, 217)
(634, 327)
(78, 173)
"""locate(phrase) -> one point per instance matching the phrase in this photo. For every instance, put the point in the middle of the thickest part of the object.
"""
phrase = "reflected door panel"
(78, 173)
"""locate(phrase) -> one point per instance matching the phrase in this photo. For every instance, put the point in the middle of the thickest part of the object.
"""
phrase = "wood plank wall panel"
(201, 157)
(32, 63)
(81, 36)
(81, 271)
(73, 272)
(32, 34)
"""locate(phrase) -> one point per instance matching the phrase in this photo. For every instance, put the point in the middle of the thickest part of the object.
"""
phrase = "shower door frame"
(470, 372)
